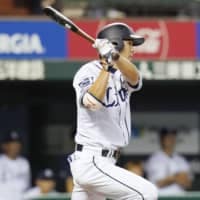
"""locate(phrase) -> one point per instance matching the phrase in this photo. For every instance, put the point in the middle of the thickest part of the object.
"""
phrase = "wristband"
(111, 69)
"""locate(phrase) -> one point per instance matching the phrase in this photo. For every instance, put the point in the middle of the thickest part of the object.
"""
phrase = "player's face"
(169, 141)
(128, 49)
(12, 149)
(46, 186)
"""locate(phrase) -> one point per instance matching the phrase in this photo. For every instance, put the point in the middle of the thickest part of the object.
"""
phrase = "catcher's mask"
(117, 32)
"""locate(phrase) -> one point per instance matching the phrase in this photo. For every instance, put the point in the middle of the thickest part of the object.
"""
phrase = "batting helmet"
(117, 32)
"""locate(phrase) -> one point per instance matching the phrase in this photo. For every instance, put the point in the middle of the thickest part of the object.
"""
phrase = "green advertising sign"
(65, 70)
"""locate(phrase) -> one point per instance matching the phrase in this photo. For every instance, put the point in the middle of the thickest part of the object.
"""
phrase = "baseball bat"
(66, 22)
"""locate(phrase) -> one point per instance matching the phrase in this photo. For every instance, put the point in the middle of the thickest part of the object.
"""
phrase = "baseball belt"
(104, 152)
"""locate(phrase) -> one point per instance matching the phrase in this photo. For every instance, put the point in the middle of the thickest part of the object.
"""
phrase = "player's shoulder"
(23, 160)
(89, 67)
(179, 157)
(156, 156)
(88, 70)
(1, 157)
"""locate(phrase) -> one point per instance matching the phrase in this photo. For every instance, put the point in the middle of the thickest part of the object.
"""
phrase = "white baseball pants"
(97, 178)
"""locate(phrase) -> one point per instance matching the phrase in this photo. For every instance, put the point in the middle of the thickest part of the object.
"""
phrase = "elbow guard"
(91, 102)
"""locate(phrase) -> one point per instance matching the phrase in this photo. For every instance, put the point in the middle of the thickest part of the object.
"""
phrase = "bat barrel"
(66, 22)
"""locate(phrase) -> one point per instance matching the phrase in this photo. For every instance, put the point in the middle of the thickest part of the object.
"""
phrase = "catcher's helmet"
(117, 32)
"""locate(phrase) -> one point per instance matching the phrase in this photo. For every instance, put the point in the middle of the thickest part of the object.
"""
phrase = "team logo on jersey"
(85, 82)
(113, 97)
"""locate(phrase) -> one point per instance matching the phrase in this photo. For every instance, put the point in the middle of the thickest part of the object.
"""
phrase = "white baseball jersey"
(109, 127)
(14, 177)
(160, 165)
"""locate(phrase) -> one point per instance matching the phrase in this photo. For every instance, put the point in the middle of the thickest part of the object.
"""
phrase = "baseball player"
(103, 89)
(166, 168)
(45, 185)
(14, 169)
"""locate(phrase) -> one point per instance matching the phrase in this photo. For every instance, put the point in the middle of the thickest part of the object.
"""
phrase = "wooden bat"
(66, 22)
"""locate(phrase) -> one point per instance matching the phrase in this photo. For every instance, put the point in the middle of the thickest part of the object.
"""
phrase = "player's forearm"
(186, 183)
(166, 181)
(98, 88)
(128, 69)
(183, 179)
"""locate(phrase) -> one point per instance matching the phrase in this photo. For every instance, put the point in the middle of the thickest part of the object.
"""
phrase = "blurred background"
(39, 58)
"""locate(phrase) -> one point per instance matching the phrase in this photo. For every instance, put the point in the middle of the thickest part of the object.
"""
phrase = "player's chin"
(130, 57)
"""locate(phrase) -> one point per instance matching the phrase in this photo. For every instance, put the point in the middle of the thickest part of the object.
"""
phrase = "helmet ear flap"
(119, 44)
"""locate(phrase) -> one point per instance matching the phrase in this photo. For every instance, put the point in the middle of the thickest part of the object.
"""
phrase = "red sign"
(164, 39)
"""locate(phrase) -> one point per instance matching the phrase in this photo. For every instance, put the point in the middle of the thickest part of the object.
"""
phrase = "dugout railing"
(186, 196)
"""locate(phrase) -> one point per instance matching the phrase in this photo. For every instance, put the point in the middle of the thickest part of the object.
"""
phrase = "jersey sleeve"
(83, 79)
(184, 165)
(138, 86)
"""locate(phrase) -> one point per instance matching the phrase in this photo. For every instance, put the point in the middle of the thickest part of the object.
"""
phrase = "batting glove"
(106, 49)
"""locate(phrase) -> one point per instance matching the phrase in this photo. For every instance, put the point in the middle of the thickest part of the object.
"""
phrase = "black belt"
(104, 152)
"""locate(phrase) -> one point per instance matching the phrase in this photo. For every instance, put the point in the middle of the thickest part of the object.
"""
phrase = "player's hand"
(106, 66)
(181, 178)
(106, 49)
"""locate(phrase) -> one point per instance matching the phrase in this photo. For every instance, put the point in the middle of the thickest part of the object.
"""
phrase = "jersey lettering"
(110, 102)
(122, 94)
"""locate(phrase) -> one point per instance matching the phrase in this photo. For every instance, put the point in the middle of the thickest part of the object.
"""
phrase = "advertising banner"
(44, 39)
(32, 39)
(165, 39)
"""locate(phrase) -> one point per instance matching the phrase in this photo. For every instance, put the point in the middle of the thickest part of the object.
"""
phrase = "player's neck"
(11, 157)
(168, 151)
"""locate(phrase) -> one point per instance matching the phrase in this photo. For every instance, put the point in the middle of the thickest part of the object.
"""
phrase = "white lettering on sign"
(22, 70)
(19, 43)
(170, 70)
(147, 73)
(159, 70)
(152, 42)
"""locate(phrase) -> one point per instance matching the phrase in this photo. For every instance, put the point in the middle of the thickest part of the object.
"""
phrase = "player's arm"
(166, 181)
(98, 88)
(93, 98)
(183, 179)
(128, 69)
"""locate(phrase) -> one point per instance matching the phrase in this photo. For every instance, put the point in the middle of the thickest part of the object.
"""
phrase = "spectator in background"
(14, 169)
(69, 184)
(135, 167)
(45, 185)
(166, 168)
(58, 4)
(36, 6)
